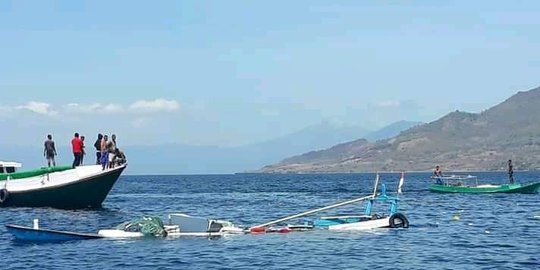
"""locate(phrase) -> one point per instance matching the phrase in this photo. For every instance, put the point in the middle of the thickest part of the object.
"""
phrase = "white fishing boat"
(59, 187)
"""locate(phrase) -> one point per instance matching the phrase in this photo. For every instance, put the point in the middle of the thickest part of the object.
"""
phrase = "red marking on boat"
(257, 230)
(284, 230)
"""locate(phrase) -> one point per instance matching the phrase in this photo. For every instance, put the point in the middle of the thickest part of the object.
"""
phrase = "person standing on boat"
(83, 152)
(97, 145)
(437, 172)
(111, 148)
(510, 171)
(104, 153)
(76, 146)
(50, 151)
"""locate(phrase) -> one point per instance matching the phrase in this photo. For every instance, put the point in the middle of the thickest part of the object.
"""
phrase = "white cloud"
(93, 108)
(43, 108)
(38, 107)
(155, 105)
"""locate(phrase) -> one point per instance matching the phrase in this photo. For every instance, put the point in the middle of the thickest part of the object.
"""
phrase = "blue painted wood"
(23, 233)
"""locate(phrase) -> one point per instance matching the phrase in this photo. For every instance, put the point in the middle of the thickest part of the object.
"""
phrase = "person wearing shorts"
(49, 151)
(111, 149)
(104, 153)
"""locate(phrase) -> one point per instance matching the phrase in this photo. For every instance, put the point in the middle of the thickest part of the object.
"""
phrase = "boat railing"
(455, 180)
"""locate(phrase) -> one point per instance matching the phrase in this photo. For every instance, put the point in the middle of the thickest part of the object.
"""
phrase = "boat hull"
(360, 226)
(506, 188)
(22, 233)
(88, 192)
(360, 223)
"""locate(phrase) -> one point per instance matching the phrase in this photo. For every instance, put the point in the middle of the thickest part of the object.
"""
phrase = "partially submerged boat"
(469, 184)
(369, 220)
(35, 234)
(58, 187)
(178, 225)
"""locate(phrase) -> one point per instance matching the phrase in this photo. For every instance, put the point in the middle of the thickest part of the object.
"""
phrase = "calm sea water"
(494, 231)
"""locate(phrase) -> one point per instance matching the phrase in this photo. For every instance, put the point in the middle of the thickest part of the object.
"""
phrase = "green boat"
(469, 184)
(58, 187)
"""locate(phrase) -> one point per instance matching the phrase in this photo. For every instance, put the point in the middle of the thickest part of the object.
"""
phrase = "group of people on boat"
(108, 155)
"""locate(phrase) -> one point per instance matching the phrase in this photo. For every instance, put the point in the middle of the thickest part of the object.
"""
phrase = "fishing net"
(148, 226)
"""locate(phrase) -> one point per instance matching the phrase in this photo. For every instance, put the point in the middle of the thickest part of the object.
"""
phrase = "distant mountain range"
(457, 141)
(187, 159)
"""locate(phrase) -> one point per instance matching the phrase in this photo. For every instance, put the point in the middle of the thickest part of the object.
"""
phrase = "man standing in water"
(50, 151)
(76, 146)
(510, 171)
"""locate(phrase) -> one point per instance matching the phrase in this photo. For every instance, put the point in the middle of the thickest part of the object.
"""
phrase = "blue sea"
(497, 231)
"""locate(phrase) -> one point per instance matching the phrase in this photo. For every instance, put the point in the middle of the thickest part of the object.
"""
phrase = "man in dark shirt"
(49, 151)
(510, 171)
(76, 146)
(438, 171)
(97, 145)
(83, 151)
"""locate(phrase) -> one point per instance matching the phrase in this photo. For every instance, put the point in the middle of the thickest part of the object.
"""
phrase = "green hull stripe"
(32, 173)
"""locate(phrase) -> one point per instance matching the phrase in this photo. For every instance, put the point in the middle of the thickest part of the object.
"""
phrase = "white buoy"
(36, 223)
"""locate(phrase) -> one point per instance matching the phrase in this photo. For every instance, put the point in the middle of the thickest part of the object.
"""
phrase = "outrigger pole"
(376, 185)
(401, 180)
(321, 209)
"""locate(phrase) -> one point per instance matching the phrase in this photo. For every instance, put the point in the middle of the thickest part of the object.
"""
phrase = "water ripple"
(448, 231)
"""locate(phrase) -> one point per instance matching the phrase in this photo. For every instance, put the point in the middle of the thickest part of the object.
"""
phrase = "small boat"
(469, 184)
(58, 187)
(367, 221)
(179, 225)
(35, 234)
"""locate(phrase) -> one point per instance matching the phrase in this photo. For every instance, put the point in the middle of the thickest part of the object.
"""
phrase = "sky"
(237, 72)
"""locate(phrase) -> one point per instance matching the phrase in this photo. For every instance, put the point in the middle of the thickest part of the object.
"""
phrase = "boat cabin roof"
(10, 164)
